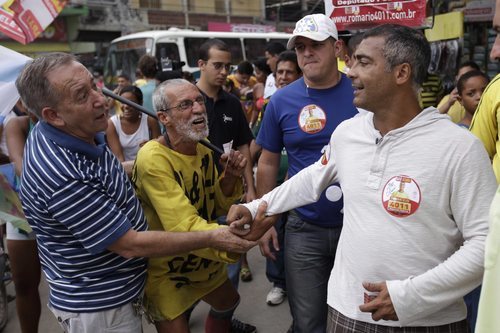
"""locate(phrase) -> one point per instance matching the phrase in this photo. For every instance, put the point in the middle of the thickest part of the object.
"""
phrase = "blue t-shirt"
(147, 95)
(302, 119)
(79, 201)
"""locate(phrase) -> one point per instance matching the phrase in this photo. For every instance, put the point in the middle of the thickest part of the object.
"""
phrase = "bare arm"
(16, 132)
(258, 92)
(445, 105)
(114, 141)
(267, 171)
(162, 243)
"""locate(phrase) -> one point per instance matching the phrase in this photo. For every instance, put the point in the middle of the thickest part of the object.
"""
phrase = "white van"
(181, 45)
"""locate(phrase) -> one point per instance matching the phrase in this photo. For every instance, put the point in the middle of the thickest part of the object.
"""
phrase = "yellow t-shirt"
(456, 111)
(181, 193)
(251, 81)
(486, 122)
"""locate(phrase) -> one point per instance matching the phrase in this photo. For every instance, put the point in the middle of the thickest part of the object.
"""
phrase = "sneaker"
(246, 274)
(240, 327)
(275, 296)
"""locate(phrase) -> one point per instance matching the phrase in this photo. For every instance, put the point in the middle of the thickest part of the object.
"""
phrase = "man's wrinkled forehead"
(79, 75)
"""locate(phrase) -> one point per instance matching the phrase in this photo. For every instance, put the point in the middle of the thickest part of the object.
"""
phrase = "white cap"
(317, 27)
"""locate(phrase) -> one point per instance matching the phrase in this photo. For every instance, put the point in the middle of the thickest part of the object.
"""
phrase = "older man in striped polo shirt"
(91, 230)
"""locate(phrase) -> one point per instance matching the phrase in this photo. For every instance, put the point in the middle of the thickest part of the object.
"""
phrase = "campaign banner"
(25, 20)
(364, 14)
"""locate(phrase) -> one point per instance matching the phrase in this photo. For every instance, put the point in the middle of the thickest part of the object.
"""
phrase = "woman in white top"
(127, 132)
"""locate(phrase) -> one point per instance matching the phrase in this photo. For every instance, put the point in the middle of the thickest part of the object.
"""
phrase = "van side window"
(193, 44)
(236, 51)
(282, 41)
(169, 50)
(254, 48)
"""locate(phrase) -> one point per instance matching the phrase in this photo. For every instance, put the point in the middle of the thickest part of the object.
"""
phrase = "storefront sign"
(364, 14)
(479, 11)
(228, 27)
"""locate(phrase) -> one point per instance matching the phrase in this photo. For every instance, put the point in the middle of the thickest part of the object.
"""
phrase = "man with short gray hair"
(417, 191)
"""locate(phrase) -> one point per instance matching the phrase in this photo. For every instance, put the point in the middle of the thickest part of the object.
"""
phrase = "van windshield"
(123, 58)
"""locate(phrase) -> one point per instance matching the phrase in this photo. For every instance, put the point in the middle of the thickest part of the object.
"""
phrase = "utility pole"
(227, 4)
(303, 7)
(185, 9)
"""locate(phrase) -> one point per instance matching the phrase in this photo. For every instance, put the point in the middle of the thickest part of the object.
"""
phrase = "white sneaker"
(275, 296)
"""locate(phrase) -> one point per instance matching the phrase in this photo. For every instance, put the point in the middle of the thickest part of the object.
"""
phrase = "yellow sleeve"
(485, 123)
(456, 112)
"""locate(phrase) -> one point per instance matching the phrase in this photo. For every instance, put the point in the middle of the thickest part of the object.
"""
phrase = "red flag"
(25, 20)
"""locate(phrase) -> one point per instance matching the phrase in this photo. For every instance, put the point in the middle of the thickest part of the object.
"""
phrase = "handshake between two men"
(242, 223)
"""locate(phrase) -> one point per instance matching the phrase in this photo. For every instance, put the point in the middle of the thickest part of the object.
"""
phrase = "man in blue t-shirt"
(301, 117)
(90, 228)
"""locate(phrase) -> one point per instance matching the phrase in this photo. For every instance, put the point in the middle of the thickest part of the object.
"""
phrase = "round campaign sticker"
(401, 196)
(312, 119)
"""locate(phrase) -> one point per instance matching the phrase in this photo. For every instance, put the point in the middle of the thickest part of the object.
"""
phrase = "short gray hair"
(33, 86)
(404, 45)
(160, 98)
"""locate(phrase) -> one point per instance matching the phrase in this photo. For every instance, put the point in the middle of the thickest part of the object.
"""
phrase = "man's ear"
(403, 73)
(460, 100)
(51, 116)
(163, 118)
(340, 49)
(201, 64)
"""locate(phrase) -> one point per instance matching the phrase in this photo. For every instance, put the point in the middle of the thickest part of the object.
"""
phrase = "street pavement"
(252, 309)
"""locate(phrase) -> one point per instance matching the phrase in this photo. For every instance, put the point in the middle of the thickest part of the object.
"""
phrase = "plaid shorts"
(338, 323)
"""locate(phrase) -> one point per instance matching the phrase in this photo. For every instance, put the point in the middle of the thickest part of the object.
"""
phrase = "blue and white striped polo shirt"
(79, 201)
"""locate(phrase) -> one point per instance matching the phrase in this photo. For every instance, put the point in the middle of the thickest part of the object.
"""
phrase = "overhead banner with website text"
(364, 14)
(25, 20)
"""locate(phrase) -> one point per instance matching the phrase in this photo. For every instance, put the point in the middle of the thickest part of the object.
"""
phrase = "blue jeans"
(275, 269)
(472, 303)
(309, 256)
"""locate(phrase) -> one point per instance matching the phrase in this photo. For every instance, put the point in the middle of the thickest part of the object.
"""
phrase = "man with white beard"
(178, 184)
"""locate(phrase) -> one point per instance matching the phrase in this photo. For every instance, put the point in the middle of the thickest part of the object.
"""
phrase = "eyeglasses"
(187, 104)
(219, 65)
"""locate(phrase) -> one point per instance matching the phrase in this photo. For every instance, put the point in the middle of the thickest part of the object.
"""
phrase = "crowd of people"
(369, 198)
